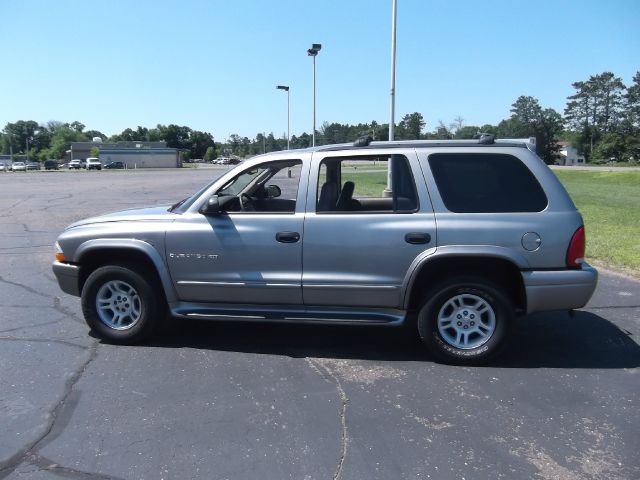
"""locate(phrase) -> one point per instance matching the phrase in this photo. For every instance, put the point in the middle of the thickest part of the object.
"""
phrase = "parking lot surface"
(245, 400)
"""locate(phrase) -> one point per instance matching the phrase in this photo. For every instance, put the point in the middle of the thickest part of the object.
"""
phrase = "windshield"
(238, 184)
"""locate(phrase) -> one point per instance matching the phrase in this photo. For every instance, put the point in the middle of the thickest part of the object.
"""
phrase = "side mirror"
(212, 206)
(273, 191)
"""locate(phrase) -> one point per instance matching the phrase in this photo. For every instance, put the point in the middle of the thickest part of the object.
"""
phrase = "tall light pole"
(313, 52)
(35, 132)
(388, 192)
(286, 89)
(26, 141)
(394, 10)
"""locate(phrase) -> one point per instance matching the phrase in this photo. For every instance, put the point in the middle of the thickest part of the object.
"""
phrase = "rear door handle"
(287, 237)
(417, 238)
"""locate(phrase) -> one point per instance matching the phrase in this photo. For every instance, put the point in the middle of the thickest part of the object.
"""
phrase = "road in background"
(243, 400)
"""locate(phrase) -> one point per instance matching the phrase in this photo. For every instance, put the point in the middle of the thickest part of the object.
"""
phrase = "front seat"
(328, 197)
(346, 196)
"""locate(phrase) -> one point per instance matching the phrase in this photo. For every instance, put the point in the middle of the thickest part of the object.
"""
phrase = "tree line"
(601, 119)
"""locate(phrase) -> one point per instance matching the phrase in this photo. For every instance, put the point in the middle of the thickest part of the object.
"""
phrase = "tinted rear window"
(486, 182)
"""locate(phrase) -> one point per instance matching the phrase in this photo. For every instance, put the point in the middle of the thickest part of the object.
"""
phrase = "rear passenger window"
(359, 185)
(486, 182)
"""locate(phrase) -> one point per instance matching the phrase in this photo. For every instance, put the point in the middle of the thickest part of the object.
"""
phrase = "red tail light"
(575, 253)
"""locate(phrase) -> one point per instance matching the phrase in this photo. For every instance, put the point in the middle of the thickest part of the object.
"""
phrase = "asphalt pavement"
(244, 400)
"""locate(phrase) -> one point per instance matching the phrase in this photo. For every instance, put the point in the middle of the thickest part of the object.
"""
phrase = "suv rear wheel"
(465, 320)
(120, 305)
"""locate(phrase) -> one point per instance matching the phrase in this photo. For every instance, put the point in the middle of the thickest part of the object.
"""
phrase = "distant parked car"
(93, 164)
(18, 167)
(50, 165)
(33, 165)
(77, 164)
(112, 165)
(3, 167)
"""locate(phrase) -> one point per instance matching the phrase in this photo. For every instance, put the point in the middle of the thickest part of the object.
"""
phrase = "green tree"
(632, 102)
(466, 132)
(411, 126)
(95, 152)
(302, 141)
(442, 132)
(77, 126)
(595, 109)
(529, 119)
(19, 134)
(210, 154)
(62, 139)
(176, 136)
(91, 134)
(199, 143)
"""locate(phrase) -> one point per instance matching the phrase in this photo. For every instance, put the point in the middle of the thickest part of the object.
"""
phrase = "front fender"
(129, 244)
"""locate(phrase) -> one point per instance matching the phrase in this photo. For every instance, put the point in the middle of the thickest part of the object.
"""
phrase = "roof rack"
(483, 139)
(486, 139)
(489, 140)
(363, 141)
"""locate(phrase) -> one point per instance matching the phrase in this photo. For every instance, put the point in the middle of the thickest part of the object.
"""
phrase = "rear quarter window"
(486, 183)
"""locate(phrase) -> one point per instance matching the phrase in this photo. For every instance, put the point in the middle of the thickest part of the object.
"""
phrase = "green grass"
(610, 205)
(368, 184)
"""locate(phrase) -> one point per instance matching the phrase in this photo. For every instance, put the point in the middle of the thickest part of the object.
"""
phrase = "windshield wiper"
(176, 205)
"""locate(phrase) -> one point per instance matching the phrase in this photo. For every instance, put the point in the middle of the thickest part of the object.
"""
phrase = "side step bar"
(285, 313)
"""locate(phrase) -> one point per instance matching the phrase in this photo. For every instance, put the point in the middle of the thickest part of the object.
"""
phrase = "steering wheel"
(246, 203)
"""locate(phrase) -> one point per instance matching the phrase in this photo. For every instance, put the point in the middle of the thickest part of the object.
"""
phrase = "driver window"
(267, 188)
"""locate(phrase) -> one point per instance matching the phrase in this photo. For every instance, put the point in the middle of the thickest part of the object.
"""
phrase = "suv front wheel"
(465, 320)
(120, 305)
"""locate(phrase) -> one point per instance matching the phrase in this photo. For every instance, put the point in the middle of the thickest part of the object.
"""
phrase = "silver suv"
(454, 238)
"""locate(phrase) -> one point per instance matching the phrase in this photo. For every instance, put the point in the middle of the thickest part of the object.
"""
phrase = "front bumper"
(559, 289)
(67, 276)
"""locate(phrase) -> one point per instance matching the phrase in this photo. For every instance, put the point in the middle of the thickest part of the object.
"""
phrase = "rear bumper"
(559, 289)
(67, 276)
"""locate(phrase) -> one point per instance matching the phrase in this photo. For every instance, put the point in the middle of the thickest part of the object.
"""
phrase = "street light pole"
(313, 52)
(394, 10)
(388, 192)
(286, 89)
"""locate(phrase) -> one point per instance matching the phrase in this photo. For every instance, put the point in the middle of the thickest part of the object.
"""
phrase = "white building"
(569, 155)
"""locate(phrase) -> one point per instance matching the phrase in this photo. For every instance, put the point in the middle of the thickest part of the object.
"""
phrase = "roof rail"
(486, 138)
(363, 141)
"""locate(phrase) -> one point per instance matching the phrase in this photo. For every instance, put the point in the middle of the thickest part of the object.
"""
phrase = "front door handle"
(287, 237)
(416, 238)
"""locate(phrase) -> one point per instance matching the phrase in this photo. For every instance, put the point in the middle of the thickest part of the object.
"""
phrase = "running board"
(288, 314)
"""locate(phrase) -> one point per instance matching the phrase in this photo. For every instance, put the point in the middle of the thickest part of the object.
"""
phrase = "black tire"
(481, 315)
(131, 309)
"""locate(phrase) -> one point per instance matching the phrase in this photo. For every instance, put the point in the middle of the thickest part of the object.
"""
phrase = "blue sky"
(213, 65)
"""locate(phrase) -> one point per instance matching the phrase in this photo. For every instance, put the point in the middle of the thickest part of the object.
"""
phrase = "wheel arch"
(136, 254)
(501, 271)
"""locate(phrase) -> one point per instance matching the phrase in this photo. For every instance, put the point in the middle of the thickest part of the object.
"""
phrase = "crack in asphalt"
(41, 340)
(60, 416)
(46, 245)
(328, 376)
(28, 230)
(46, 465)
(26, 287)
(25, 327)
(51, 201)
(57, 306)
